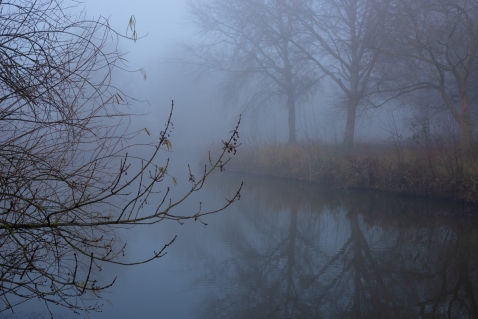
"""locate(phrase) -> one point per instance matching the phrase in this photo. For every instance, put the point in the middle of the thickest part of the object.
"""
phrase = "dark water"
(287, 250)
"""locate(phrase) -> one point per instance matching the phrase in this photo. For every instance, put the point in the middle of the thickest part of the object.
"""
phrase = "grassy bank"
(424, 171)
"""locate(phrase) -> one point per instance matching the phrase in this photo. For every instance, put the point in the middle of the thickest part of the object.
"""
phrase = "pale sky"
(163, 21)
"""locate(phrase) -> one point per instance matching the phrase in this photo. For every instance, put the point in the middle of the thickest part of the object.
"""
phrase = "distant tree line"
(375, 51)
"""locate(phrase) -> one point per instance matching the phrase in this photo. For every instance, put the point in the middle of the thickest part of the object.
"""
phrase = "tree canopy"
(250, 42)
(70, 172)
(372, 51)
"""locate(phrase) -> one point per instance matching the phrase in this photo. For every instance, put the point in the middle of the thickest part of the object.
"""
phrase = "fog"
(202, 116)
(198, 117)
(375, 95)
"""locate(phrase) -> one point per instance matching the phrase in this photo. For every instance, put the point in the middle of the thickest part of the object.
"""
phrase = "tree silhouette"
(71, 170)
(249, 41)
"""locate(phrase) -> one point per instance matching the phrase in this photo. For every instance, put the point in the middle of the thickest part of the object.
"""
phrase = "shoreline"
(410, 172)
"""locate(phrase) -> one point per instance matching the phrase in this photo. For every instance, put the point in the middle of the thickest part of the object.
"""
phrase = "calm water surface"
(287, 250)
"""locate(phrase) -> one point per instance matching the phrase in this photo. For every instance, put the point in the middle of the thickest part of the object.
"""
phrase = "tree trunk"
(291, 108)
(466, 135)
(464, 117)
(349, 136)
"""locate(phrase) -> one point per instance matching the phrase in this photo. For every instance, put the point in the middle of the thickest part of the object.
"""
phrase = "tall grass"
(427, 165)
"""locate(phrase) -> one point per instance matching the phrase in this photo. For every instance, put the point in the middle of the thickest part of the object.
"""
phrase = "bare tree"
(67, 176)
(439, 40)
(341, 38)
(249, 41)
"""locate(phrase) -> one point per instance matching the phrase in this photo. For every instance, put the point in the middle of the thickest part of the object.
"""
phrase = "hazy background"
(201, 118)
(197, 115)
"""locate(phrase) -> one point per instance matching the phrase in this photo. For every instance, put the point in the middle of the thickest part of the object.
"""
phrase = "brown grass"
(439, 172)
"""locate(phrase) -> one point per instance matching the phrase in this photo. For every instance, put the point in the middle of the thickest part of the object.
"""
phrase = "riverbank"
(437, 173)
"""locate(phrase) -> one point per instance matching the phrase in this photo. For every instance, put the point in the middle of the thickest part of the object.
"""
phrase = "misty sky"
(200, 117)
(162, 20)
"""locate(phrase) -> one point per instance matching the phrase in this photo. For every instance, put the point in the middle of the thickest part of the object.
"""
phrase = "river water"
(292, 250)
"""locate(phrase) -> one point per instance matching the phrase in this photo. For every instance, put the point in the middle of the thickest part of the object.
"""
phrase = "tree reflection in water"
(300, 252)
